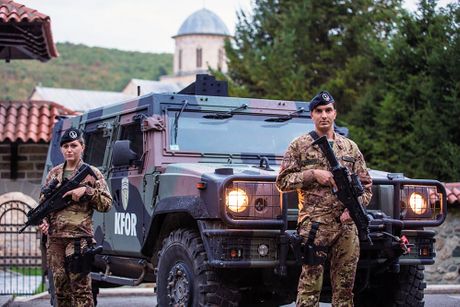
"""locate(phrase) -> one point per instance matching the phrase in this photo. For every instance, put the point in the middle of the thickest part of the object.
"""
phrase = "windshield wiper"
(285, 118)
(225, 115)
(176, 121)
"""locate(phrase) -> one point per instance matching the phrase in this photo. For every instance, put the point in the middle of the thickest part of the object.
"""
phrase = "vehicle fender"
(191, 206)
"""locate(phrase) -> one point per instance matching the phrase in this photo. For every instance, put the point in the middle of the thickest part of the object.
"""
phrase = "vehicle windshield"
(239, 134)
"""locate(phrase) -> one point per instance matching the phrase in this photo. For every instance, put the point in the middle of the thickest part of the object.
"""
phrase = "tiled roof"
(78, 100)
(29, 121)
(453, 192)
(11, 11)
(25, 33)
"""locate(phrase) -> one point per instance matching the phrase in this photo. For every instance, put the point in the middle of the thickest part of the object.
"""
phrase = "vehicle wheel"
(396, 289)
(411, 286)
(183, 276)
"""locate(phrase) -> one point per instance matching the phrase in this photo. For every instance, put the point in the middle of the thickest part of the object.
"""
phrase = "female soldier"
(70, 230)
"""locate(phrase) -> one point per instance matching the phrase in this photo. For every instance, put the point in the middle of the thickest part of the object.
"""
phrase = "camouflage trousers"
(72, 289)
(343, 256)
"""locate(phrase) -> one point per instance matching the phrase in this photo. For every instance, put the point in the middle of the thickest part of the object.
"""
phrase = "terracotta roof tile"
(29, 121)
(27, 33)
(453, 192)
(11, 11)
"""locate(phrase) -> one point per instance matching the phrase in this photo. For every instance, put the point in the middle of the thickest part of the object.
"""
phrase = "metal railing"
(20, 255)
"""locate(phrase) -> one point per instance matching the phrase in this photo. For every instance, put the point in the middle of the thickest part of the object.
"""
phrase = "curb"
(105, 292)
(126, 291)
(5, 300)
(442, 289)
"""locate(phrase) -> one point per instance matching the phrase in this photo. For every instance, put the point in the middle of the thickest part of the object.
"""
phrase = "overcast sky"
(134, 25)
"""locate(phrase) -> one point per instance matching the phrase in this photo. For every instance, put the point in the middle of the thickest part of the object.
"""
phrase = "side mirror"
(122, 153)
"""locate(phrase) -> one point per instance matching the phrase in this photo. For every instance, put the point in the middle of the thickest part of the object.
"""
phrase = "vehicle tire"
(411, 286)
(396, 289)
(183, 277)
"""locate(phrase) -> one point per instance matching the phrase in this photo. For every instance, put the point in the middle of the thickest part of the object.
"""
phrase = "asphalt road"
(444, 300)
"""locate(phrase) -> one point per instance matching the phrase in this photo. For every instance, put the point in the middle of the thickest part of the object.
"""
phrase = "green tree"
(414, 106)
(291, 49)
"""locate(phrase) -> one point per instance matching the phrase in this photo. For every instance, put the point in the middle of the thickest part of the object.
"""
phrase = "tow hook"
(403, 242)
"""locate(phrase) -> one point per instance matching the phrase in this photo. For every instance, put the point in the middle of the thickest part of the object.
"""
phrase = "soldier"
(70, 231)
(323, 221)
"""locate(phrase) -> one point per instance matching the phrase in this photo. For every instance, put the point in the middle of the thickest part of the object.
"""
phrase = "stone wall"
(447, 262)
(210, 45)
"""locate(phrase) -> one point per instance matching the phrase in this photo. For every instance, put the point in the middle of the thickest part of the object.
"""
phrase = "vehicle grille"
(263, 200)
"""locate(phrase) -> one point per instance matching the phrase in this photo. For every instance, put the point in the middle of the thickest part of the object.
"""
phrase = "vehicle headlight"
(418, 203)
(237, 200)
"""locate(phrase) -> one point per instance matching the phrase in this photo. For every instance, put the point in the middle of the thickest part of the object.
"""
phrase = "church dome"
(203, 22)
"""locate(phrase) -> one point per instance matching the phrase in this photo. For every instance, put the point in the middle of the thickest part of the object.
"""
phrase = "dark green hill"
(82, 67)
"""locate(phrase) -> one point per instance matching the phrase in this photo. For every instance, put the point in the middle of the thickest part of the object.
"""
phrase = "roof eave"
(202, 33)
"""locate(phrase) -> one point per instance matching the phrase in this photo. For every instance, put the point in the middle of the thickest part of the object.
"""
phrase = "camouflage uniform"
(318, 204)
(75, 221)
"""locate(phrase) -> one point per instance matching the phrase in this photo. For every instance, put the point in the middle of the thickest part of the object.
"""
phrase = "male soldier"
(323, 221)
(70, 231)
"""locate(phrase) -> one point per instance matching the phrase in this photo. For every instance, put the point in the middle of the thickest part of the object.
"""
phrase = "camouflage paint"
(164, 183)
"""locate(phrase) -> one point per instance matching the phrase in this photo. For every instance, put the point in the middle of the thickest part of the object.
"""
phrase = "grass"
(41, 288)
(28, 271)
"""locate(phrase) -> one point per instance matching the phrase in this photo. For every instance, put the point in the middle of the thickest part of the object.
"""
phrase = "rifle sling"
(314, 135)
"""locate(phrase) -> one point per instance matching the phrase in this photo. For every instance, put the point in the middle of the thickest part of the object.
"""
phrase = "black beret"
(322, 98)
(70, 135)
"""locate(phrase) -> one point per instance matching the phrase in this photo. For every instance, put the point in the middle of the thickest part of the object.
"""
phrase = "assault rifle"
(53, 200)
(349, 188)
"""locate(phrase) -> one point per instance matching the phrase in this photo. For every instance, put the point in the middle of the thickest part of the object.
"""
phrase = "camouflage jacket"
(316, 201)
(76, 220)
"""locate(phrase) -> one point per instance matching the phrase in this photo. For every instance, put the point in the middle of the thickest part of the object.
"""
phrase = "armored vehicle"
(196, 210)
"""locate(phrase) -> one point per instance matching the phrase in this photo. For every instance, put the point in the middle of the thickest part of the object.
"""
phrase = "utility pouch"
(81, 260)
(295, 242)
(307, 252)
(312, 255)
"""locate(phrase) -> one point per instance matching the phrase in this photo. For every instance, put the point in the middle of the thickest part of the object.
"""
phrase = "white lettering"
(122, 222)
(133, 224)
(125, 224)
(117, 223)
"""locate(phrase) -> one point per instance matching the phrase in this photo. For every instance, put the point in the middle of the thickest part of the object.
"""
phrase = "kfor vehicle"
(196, 209)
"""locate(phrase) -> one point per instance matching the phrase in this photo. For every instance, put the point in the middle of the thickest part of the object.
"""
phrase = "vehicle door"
(98, 137)
(127, 214)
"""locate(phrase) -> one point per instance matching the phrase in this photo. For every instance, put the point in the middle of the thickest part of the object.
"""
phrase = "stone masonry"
(447, 262)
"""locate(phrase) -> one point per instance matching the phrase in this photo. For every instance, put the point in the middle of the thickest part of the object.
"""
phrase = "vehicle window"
(96, 145)
(133, 133)
(241, 133)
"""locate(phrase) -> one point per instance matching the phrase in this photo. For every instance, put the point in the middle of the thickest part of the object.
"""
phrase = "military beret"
(70, 135)
(321, 99)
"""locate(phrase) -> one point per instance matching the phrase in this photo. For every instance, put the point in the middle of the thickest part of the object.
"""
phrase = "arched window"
(180, 59)
(199, 57)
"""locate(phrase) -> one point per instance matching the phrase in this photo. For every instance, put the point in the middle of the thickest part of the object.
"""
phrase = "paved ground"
(435, 295)
(444, 300)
